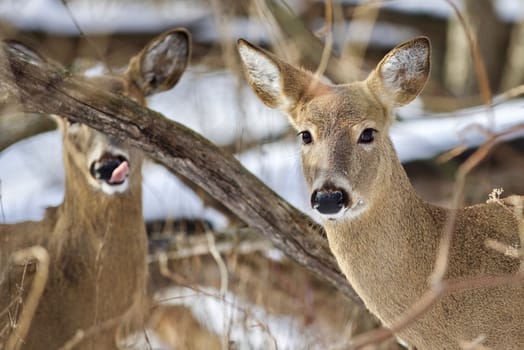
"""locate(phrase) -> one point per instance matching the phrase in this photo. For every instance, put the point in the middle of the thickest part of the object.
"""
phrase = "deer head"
(346, 151)
(109, 164)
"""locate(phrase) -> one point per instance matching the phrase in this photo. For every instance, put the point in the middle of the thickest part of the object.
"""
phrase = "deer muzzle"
(113, 169)
(329, 201)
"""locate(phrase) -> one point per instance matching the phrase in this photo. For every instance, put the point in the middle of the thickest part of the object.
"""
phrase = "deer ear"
(277, 83)
(159, 66)
(402, 73)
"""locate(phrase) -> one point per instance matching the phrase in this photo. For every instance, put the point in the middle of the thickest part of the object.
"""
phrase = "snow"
(249, 326)
(508, 10)
(97, 17)
(439, 133)
(32, 177)
(109, 16)
(208, 102)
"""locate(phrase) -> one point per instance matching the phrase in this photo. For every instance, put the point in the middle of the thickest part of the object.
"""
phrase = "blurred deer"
(96, 238)
(384, 237)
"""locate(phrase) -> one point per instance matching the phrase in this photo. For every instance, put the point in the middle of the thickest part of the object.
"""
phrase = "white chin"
(113, 189)
(345, 214)
(334, 217)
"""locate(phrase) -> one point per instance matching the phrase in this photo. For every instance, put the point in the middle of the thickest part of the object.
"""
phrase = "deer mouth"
(110, 168)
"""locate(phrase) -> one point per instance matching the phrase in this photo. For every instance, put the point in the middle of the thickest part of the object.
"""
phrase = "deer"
(96, 238)
(384, 237)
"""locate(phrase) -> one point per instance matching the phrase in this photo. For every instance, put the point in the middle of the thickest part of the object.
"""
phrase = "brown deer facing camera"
(384, 237)
(96, 238)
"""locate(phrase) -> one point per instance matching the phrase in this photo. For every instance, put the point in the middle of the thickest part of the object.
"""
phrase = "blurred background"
(270, 302)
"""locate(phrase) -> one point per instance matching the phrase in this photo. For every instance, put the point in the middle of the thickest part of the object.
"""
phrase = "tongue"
(120, 173)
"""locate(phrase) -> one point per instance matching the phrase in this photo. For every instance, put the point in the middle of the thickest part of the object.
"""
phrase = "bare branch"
(25, 257)
(16, 127)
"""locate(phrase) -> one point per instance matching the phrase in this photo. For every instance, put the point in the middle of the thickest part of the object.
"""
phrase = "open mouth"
(110, 168)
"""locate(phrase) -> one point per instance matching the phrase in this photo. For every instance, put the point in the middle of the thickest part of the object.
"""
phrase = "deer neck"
(363, 246)
(99, 236)
(87, 210)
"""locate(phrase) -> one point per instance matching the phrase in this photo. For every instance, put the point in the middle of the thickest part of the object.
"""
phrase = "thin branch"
(166, 272)
(504, 249)
(82, 334)
(24, 257)
(429, 298)
(83, 35)
(219, 261)
(243, 247)
(480, 67)
(369, 11)
(328, 45)
(509, 95)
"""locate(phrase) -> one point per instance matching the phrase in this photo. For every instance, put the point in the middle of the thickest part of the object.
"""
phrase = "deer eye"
(306, 137)
(367, 136)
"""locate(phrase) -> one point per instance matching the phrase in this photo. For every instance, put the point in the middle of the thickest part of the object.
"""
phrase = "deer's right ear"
(402, 73)
(276, 83)
(159, 66)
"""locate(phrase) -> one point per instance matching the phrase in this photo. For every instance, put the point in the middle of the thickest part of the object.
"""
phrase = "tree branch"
(33, 86)
(16, 127)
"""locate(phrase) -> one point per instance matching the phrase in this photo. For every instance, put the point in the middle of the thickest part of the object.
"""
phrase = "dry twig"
(24, 257)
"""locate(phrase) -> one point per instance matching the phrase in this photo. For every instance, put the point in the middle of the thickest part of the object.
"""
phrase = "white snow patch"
(251, 327)
(219, 106)
(96, 17)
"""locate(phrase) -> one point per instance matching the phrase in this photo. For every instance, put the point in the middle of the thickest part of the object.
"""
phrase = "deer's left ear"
(277, 83)
(159, 66)
(402, 73)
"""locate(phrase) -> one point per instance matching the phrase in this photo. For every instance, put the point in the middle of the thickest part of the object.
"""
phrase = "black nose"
(103, 168)
(329, 201)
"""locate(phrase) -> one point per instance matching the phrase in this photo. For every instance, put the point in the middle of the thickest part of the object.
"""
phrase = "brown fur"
(97, 242)
(387, 245)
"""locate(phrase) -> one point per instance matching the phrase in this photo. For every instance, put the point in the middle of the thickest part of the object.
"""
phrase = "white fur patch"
(262, 72)
(346, 213)
(114, 189)
(404, 65)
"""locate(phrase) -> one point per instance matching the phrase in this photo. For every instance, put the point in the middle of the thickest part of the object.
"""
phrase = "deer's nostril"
(329, 201)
